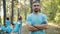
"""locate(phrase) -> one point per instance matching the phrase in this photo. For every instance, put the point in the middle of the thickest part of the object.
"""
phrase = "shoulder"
(7, 20)
(42, 14)
(29, 15)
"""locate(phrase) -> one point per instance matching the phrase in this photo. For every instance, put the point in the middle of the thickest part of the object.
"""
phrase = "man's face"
(36, 7)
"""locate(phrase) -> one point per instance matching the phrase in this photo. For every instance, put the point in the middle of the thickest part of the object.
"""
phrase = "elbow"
(46, 27)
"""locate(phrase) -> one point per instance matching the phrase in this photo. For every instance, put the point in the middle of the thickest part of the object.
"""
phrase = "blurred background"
(15, 8)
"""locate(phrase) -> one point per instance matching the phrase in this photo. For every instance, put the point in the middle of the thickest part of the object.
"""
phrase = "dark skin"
(36, 8)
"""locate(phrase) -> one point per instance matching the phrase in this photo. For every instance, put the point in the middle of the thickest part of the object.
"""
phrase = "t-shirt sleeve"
(44, 19)
(28, 20)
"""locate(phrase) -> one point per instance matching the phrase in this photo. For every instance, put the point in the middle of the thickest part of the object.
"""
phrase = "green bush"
(0, 19)
(57, 18)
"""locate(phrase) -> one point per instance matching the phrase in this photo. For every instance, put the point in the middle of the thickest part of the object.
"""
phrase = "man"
(37, 22)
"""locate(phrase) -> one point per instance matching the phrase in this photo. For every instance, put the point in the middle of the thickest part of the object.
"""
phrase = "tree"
(12, 11)
(4, 8)
(31, 5)
(0, 11)
(51, 8)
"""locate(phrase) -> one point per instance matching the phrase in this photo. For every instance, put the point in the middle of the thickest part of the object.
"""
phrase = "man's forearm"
(42, 26)
(32, 28)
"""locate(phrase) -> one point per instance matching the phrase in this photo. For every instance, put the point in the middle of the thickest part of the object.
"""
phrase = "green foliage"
(57, 18)
(51, 8)
(0, 19)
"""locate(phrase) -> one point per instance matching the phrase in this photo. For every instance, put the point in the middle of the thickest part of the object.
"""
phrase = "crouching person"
(8, 29)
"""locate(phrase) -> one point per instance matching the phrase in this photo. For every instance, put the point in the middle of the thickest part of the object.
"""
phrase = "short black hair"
(7, 18)
(35, 2)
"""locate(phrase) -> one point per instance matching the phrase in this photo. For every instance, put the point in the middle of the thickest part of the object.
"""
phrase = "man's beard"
(35, 11)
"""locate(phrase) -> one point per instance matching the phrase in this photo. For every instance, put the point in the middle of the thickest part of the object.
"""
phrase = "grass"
(52, 29)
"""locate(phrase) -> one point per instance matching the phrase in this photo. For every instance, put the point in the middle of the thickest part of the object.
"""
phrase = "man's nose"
(36, 7)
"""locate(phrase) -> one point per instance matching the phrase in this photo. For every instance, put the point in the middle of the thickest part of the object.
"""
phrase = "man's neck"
(35, 12)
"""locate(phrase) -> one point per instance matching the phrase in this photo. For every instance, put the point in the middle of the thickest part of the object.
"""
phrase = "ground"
(52, 29)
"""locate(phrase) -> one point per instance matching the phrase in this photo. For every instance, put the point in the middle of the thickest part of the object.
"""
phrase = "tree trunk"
(12, 12)
(4, 8)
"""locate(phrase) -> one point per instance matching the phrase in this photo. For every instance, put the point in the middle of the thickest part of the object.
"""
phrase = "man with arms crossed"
(36, 21)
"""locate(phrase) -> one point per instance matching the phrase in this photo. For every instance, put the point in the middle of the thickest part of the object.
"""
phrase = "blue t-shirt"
(17, 26)
(8, 22)
(8, 29)
(37, 19)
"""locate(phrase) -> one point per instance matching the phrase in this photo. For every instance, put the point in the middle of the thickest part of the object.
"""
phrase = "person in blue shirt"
(8, 22)
(18, 26)
(8, 27)
(36, 21)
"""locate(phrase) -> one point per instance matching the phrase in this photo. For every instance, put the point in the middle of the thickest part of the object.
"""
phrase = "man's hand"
(42, 26)
(32, 28)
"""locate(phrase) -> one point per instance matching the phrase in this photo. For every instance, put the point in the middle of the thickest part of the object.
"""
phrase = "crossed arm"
(32, 28)
(37, 27)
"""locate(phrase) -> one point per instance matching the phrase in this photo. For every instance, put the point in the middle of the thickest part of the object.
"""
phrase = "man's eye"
(37, 5)
(34, 5)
